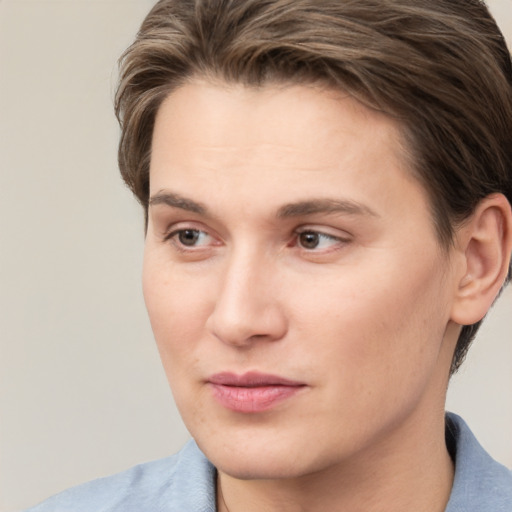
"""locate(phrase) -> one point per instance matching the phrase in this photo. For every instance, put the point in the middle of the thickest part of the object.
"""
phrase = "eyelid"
(333, 233)
(173, 232)
(182, 225)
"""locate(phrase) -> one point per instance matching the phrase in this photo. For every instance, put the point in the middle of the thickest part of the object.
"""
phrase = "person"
(327, 187)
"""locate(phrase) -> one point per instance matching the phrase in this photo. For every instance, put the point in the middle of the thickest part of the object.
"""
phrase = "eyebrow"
(297, 209)
(324, 205)
(177, 201)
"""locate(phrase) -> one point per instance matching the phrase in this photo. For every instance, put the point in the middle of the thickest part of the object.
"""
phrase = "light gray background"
(82, 393)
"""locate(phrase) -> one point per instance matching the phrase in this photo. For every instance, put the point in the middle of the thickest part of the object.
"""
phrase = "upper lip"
(251, 380)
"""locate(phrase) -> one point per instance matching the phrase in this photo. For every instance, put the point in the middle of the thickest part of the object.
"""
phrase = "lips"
(252, 392)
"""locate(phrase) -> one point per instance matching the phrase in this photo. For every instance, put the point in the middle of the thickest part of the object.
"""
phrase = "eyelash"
(174, 238)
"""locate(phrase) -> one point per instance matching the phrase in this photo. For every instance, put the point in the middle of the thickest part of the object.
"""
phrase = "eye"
(189, 237)
(315, 240)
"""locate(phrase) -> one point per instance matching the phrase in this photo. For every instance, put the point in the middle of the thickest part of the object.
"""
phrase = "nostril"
(247, 329)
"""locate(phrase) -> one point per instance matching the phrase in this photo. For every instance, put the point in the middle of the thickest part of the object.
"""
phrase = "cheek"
(177, 307)
(176, 311)
(375, 325)
(377, 346)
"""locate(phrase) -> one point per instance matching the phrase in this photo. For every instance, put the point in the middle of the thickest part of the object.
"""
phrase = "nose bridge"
(247, 306)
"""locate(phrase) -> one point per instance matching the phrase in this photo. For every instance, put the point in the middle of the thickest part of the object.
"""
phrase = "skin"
(359, 310)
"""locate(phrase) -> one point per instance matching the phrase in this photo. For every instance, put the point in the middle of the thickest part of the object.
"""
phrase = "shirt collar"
(480, 483)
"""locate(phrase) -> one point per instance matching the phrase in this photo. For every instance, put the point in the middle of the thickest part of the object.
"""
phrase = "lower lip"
(252, 400)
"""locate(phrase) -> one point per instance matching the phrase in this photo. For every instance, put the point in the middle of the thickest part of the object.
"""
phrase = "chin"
(258, 468)
(266, 459)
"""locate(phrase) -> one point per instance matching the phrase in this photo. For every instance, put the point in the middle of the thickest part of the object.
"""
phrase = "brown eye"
(309, 240)
(317, 241)
(188, 237)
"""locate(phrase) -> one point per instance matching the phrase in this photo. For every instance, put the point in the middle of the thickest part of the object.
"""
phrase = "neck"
(408, 472)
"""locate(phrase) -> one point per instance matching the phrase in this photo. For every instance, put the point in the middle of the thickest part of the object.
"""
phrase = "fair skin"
(287, 238)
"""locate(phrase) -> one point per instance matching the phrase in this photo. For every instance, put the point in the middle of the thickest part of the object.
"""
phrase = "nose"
(247, 306)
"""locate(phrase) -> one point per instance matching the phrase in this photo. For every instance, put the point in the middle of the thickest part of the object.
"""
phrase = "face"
(295, 286)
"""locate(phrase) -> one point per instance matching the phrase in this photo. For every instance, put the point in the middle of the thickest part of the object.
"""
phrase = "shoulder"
(184, 481)
(481, 484)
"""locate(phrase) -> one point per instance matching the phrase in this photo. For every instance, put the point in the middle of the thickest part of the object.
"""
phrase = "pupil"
(309, 240)
(188, 237)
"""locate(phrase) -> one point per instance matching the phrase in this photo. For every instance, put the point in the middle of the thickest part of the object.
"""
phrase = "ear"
(485, 245)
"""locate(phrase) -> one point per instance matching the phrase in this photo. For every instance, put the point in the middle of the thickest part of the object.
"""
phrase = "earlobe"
(485, 241)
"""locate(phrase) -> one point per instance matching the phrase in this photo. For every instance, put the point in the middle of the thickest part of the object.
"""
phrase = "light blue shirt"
(185, 482)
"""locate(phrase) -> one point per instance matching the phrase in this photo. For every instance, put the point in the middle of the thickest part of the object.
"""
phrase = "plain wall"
(82, 392)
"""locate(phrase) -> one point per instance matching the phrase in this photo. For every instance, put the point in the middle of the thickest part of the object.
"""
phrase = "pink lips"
(252, 392)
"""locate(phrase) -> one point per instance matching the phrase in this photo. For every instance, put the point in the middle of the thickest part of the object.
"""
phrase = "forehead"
(274, 113)
(317, 140)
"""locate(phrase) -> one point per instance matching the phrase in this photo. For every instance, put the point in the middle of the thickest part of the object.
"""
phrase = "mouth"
(252, 392)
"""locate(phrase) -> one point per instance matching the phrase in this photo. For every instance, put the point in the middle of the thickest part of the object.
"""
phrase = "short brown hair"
(441, 67)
